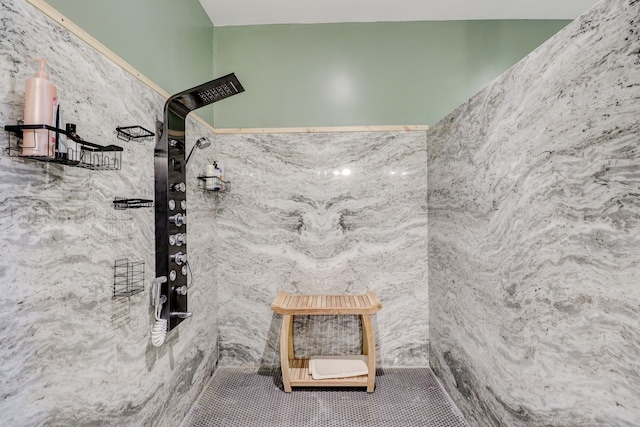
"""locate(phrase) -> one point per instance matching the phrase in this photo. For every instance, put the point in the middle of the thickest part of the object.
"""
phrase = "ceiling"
(256, 12)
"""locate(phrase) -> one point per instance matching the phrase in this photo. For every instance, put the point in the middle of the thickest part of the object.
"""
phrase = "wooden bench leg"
(286, 350)
(291, 352)
(369, 348)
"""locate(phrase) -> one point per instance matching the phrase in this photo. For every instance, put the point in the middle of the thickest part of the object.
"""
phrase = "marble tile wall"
(534, 234)
(323, 213)
(71, 354)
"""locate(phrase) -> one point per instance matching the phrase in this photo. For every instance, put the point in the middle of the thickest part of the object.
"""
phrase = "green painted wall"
(365, 74)
(311, 75)
(169, 41)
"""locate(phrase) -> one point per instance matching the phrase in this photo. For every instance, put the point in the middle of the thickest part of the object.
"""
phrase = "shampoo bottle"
(208, 182)
(212, 182)
(40, 102)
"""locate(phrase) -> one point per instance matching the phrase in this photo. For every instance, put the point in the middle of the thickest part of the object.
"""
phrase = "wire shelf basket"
(121, 203)
(213, 184)
(77, 153)
(127, 133)
(128, 278)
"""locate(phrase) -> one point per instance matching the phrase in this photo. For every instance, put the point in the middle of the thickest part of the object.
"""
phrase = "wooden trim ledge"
(400, 128)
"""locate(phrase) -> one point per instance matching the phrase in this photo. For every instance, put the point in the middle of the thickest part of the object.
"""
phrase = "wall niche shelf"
(78, 153)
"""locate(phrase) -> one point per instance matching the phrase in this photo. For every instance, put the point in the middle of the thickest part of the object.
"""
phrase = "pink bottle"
(40, 101)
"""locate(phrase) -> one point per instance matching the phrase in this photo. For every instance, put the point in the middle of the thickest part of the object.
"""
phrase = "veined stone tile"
(323, 213)
(534, 234)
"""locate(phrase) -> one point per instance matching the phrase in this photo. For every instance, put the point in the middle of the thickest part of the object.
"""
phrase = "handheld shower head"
(201, 143)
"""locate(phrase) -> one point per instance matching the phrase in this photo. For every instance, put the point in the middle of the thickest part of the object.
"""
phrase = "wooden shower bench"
(295, 372)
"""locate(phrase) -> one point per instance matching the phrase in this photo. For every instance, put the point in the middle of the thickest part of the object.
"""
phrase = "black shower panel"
(171, 192)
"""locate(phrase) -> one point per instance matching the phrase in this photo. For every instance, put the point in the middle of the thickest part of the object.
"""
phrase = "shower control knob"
(178, 219)
(179, 186)
(181, 238)
(179, 258)
(178, 239)
(181, 290)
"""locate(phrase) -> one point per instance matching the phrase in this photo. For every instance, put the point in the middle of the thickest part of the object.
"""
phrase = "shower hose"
(159, 332)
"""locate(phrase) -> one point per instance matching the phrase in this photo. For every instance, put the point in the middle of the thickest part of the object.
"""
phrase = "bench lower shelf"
(299, 376)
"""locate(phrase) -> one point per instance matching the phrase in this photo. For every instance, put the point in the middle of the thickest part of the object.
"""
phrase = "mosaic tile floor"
(245, 397)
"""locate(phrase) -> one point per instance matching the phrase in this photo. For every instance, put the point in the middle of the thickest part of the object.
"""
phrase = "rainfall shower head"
(201, 143)
(183, 103)
(178, 106)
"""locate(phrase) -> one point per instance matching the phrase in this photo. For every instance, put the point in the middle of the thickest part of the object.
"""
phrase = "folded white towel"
(325, 367)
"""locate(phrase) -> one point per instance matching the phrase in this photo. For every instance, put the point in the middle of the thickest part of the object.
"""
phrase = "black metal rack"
(127, 133)
(79, 153)
(128, 278)
(122, 203)
(219, 185)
